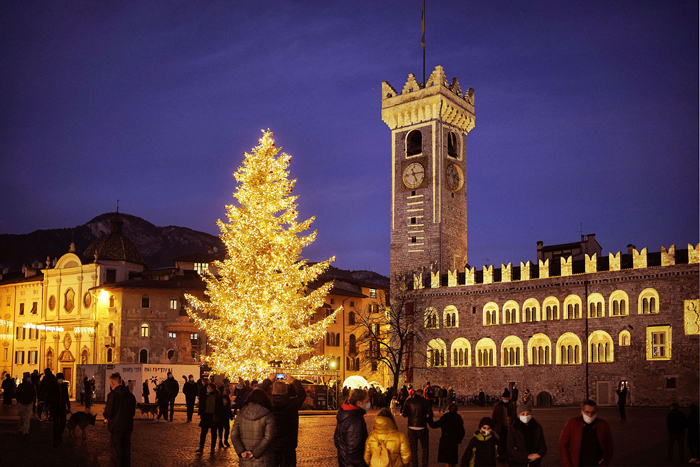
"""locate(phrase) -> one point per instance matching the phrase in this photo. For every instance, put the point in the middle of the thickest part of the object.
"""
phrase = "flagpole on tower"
(422, 39)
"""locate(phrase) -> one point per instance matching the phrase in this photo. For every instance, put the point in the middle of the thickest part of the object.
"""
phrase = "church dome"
(114, 246)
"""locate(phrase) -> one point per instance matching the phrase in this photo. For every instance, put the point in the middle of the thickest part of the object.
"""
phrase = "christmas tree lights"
(258, 315)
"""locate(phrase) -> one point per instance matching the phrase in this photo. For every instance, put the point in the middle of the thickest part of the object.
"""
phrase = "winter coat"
(224, 414)
(210, 407)
(481, 451)
(350, 436)
(172, 386)
(25, 393)
(8, 386)
(144, 389)
(570, 441)
(57, 396)
(286, 412)
(676, 422)
(189, 389)
(418, 410)
(253, 431)
(499, 419)
(396, 442)
(622, 397)
(452, 427)
(517, 445)
(120, 410)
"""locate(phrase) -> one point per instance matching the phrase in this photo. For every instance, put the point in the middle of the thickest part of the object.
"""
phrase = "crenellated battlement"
(634, 259)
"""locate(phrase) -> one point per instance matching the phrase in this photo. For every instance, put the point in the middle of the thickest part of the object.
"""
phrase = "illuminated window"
(145, 301)
(19, 357)
(511, 351)
(568, 349)
(372, 293)
(414, 143)
(145, 330)
(659, 343)
(539, 350)
(461, 352)
(173, 303)
(511, 312)
(201, 267)
(450, 316)
(33, 357)
(431, 318)
(172, 335)
(490, 314)
(531, 311)
(436, 353)
(34, 308)
(596, 306)
(485, 352)
(624, 338)
(648, 302)
(550, 309)
(600, 347)
(572, 307)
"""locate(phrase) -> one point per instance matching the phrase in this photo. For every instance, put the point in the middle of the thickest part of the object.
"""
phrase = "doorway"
(602, 389)
(68, 377)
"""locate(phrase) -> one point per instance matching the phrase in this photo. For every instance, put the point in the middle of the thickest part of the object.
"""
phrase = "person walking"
(173, 388)
(209, 406)
(59, 403)
(254, 430)
(145, 392)
(442, 397)
(503, 416)
(351, 430)
(675, 425)
(694, 434)
(526, 444)
(403, 395)
(285, 409)
(190, 390)
(386, 445)
(429, 393)
(482, 449)
(586, 440)
(622, 400)
(419, 411)
(224, 416)
(26, 395)
(8, 390)
(119, 417)
(514, 394)
(35, 382)
(88, 389)
(452, 427)
(162, 399)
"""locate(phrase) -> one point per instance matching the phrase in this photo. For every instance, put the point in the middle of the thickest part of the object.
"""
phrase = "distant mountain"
(159, 245)
(369, 277)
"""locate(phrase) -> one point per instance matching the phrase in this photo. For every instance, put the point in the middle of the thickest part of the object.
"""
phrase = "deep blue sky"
(587, 112)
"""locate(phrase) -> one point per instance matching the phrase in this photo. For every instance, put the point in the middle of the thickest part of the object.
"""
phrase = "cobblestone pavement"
(641, 441)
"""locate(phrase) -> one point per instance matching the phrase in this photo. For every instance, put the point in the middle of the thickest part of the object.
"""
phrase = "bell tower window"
(452, 145)
(414, 143)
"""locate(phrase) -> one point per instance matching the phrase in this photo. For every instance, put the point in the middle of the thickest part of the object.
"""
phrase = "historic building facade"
(577, 323)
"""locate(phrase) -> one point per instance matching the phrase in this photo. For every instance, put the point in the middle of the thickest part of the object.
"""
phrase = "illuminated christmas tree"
(259, 308)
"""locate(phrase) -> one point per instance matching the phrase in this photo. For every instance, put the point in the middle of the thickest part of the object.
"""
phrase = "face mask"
(485, 432)
(588, 419)
(368, 406)
(505, 401)
(525, 419)
(60, 381)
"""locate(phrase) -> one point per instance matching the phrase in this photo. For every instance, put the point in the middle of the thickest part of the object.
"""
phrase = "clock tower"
(429, 126)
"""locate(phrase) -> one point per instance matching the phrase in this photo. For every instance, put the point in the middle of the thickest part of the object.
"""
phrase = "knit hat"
(59, 375)
(506, 393)
(486, 421)
(524, 408)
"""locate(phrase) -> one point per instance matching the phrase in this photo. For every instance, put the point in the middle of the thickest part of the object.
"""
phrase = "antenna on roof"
(581, 229)
(117, 206)
(422, 39)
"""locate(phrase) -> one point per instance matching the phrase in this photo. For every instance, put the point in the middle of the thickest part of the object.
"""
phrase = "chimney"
(540, 245)
(630, 247)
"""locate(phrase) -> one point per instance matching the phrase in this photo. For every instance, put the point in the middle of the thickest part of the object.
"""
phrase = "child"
(482, 449)
(386, 443)
(394, 406)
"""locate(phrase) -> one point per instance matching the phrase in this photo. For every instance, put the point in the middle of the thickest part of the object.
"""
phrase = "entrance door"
(68, 376)
(602, 389)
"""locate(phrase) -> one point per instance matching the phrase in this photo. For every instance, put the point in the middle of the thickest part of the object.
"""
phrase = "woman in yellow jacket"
(386, 436)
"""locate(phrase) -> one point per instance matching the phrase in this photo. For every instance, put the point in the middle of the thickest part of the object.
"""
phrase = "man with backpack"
(429, 393)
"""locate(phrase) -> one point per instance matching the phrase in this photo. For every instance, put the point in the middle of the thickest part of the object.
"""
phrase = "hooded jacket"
(120, 410)
(350, 436)
(396, 443)
(253, 431)
(481, 450)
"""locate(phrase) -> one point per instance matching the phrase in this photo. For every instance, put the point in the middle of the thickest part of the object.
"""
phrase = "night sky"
(586, 113)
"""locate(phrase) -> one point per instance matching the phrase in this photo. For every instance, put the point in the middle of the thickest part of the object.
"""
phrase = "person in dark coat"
(675, 425)
(224, 417)
(526, 445)
(419, 412)
(46, 382)
(285, 409)
(452, 427)
(173, 388)
(145, 392)
(514, 394)
(209, 406)
(351, 429)
(35, 382)
(190, 390)
(503, 416)
(59, 403)
(162, 400)
(119, 417)
(694, 434)
(622, 400)
(8, 388)
(26, 395)
(89, 388)
(482, 449)
(403, 395)
(482, 398)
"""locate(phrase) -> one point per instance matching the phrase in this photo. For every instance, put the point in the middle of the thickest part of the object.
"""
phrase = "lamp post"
(585, 337)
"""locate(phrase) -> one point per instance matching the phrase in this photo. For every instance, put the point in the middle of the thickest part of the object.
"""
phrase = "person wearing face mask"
(525, 443)
(351, 429)
(586, 440)
(482, 449)
(25, 398)
(503, 415)
(190, 390)
(58, 401)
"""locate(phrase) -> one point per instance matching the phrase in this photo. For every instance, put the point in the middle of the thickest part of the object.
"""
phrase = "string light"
(257, 316)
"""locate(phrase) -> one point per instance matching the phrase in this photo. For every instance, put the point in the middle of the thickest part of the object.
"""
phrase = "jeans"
(172, 408)
(413, 437)
(25, 412)
(203, 437)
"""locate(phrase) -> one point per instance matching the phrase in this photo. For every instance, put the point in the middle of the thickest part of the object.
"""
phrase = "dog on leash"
(82, 420)
(149, 409)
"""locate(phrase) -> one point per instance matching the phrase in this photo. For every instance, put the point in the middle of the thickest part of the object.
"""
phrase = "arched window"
(414, 143)
(568, 349)
(539, 350)
(145, 330)
(551, 309)
(600, 346)
(531, 311)
(618, 303)
(143, 356)
(490, 314)
(461, 352)
(596, 306)
(511, 310)
(431, 318)
(511, 351)
(452, 145)
(451, 316)
(110, 330)
(572, 307)
(84, 357)
(352, 346)
(109, 355)
(485, 352)
(648, 302)
(145, 301)
(436, 353)
(111, 301)
(624, 338)
(351, 318)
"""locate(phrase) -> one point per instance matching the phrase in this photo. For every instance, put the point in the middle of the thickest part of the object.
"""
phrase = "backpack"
(430, 392)
(381, 458)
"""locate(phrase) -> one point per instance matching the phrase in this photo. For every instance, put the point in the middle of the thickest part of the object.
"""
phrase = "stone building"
(575, 324)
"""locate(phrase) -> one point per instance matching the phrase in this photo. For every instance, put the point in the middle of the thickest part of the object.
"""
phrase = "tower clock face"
(453, 174)
(413, 175)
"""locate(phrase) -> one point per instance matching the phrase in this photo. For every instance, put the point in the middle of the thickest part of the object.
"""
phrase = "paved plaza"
(641, 441)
